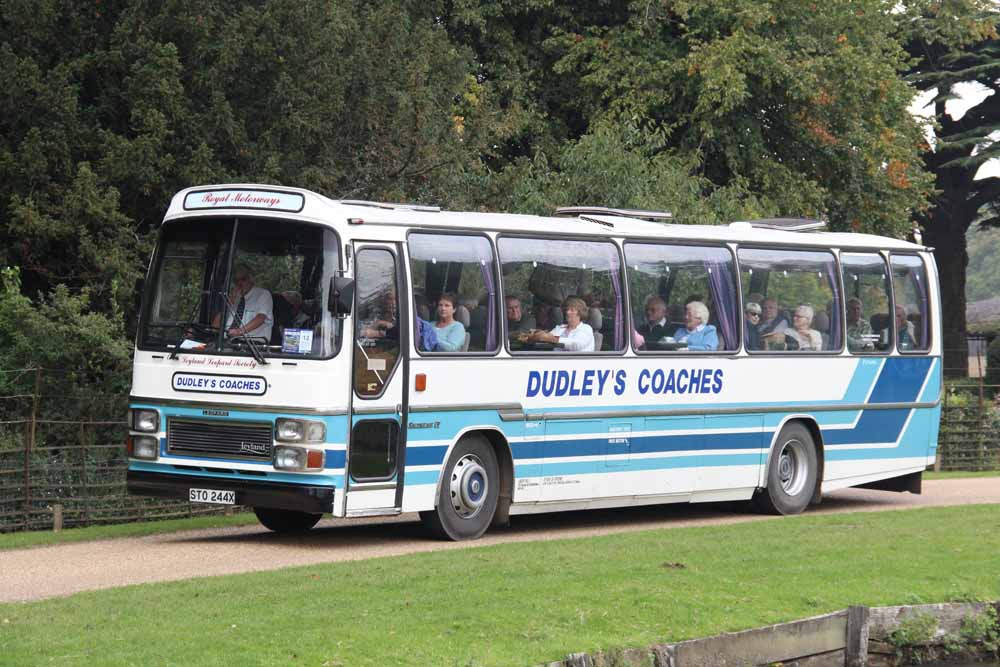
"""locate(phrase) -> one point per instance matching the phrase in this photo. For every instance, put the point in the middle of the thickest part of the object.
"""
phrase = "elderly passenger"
(575, 335)
(696, 332)
(751, 322)
(802, 332)
(655, 326)
(904, 329)
(772, 326)
(859, 331)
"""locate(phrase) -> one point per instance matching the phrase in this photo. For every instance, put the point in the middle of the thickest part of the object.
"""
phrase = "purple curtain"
(920, 287)
(831, 277)
(720, 280)
(619, 300)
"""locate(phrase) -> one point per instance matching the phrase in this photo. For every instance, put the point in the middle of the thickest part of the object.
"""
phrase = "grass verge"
(522, 604)
(47, 538)
(957, 474)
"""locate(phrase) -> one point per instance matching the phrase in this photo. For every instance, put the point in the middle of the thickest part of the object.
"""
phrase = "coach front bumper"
(276, 495)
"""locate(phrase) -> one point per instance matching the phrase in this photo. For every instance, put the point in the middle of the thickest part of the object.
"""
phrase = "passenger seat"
(462, 315)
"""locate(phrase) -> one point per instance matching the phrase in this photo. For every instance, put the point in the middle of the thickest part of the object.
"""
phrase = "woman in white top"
(575, 335)
(802, 332)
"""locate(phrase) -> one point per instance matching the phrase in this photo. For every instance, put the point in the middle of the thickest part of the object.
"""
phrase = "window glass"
(798, 296)
(866, 292)
(568, 295)
(373, 449)
(274, 303)
(683, 297)
(376, 348)
(454, 293)
(912, 321)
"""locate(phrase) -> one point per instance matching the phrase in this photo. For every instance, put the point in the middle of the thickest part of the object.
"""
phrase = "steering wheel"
(203, 330)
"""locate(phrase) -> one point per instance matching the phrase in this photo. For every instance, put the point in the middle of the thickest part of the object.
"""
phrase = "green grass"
(522, 604)
(46, 538)
(960, 473)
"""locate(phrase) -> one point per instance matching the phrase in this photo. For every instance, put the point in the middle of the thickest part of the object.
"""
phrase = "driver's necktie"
(240, 311)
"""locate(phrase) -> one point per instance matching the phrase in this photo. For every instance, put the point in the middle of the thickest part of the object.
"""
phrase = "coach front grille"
(237, 440)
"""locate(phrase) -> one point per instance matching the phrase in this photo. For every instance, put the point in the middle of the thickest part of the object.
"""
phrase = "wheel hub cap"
(469, 486)
(792, 467)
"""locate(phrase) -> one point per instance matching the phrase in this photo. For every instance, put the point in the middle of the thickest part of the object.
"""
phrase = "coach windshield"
(242, 287)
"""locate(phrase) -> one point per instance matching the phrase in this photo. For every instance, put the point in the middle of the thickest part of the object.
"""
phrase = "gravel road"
(38, 573)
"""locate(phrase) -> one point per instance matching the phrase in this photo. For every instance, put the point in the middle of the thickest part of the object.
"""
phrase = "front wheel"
(469, 490)
(286, 521)
(791, 473)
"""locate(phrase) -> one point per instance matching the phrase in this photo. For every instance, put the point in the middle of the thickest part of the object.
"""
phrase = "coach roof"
(320, 208)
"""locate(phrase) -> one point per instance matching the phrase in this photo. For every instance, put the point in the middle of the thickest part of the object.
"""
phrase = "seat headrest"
(821, 322)
(595, 319)
(462, 315)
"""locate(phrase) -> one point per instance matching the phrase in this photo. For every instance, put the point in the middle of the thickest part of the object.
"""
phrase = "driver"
(251, 308)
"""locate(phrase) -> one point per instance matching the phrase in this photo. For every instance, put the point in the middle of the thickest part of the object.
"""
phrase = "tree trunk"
(945, 232)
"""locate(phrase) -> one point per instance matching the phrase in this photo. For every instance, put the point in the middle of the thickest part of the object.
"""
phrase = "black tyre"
(470, 486)
(791, 473)
(286, 521)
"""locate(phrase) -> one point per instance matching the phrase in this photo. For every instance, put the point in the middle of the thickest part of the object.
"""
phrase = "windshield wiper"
(188, 325)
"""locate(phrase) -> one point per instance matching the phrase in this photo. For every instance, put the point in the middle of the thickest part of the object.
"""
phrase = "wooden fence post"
(57, 518)
(29, 446)
(856, 651)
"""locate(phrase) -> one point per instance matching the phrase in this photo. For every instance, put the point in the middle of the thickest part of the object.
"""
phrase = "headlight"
(298, 430)
(147, 421)
(298, 458)
(145, 447)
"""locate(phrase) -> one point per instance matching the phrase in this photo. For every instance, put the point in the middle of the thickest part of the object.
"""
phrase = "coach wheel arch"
(505, 462)
(794, 469)
(820, 459)
(475, 487)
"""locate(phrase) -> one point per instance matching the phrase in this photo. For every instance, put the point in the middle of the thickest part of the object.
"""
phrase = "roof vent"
(399, 207)
(656, 216)
(783, 224)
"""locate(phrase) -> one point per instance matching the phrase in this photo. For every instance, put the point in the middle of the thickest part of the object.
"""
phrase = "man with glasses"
(250, 311)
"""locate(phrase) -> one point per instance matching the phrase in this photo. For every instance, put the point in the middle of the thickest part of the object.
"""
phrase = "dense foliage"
(984, 263)
(717, 109)
(956, 43)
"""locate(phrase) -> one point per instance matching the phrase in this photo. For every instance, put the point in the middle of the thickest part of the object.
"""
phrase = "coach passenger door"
(375, 452)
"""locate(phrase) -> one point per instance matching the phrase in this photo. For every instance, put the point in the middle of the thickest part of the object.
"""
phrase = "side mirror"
(341, 299)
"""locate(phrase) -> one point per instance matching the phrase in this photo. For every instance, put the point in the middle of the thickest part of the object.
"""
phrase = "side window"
(866, 293)
(454, 293)
(377, 327)
(797, 293)
(563, 296)
(683, 297)
(912, 316)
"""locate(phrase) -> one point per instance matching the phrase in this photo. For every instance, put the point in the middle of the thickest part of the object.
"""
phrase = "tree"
(800, 104)
(110, 108)
(961, 146)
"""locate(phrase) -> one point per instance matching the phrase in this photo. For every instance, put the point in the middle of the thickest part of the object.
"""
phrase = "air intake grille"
(237, 440)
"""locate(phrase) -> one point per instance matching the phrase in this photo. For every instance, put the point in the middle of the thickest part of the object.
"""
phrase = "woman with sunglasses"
(751, 326)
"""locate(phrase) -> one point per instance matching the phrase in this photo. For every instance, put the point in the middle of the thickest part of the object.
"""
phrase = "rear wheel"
(286, 521)
(470, 487)
(791, 473)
